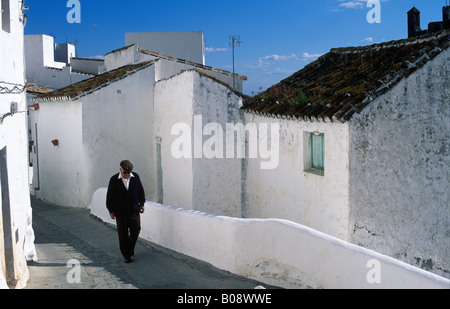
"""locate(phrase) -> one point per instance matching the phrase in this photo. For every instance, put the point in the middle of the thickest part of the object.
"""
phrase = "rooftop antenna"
(235, 42)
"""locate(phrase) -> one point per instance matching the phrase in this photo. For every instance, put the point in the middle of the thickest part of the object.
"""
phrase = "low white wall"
(276, 252)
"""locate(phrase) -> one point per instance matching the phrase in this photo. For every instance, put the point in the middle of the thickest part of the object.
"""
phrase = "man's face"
(125, 174)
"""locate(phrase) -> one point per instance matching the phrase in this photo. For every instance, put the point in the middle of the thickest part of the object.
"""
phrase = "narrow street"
(77, 251)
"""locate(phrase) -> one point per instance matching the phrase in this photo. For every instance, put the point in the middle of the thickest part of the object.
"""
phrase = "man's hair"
(126, 165)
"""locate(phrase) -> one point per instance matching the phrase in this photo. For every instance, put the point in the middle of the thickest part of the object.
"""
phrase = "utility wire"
(15, 89)
(2, 117)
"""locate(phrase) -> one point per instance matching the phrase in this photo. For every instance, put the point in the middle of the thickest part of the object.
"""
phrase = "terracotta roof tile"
(36, 89)
(345, 80)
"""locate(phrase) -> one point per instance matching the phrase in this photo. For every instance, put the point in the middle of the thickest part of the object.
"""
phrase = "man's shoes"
(128, 260)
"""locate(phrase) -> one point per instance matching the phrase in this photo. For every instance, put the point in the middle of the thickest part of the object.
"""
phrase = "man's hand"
(113, 215)
(142, 209)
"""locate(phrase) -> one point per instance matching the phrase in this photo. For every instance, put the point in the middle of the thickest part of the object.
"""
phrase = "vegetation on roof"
(345, 80)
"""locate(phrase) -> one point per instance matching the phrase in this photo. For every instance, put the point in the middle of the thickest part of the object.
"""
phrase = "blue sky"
(280, 37)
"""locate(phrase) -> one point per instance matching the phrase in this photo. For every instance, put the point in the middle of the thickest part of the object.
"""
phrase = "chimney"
(413, 22)
(446, 16)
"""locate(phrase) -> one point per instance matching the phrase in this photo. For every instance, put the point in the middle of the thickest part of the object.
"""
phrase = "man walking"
(125, 201)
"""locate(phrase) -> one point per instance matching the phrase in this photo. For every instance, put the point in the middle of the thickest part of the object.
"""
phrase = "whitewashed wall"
(165, 68)
(217, 181)
(273, 251)
(188, 45)
(399, 193)
(93, 66)
(14, 137)
(64, 52)
(62, 169)
(214, 184)
(40, 52)
(240, 188)
(288, 192)
(95, 133)
(120, 57)
(118, 125)
(174, 104)
(58, 78)
(41, 67)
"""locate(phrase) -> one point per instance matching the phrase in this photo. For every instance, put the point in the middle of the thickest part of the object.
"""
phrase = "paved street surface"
(64, 234)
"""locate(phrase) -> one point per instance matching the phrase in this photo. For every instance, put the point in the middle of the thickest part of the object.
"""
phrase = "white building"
(360, 154)
(188, 45)
(168, 65)
(81, 132)
(194, 101)
(16, 233)
(56, 65)
(364, 149)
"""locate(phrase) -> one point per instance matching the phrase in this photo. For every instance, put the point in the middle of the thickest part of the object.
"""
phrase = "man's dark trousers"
(128, 228)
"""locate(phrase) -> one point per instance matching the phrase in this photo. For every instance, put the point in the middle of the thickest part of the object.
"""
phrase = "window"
(314, 153)
(317, 152)
(6, 18)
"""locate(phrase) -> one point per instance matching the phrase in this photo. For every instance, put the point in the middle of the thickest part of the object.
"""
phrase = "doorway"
(159, 172)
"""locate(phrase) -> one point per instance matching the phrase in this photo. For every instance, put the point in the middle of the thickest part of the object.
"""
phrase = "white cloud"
(100, 57)
(276, 57)
(267, 60)
(368, 39)
(310, 57)
(269, 64)
(352, 5)
(215, 50)
(279, 71)
(357, 4)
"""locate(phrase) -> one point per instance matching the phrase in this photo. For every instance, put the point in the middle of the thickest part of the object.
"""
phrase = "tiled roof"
(36, 89)
(345, 80)
(80, 89)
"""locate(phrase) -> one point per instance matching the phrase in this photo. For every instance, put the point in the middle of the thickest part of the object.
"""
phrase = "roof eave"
(85, 93)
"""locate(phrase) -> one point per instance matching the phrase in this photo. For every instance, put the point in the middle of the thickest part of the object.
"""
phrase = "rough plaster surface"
(399, 170)
(199, 183)
(289, 191)
(217, 182)
(15, 216)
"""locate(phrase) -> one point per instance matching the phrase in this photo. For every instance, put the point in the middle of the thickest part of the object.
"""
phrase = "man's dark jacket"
(125, 202)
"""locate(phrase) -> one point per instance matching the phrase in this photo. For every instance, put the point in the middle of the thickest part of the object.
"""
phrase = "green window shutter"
(318, 152)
